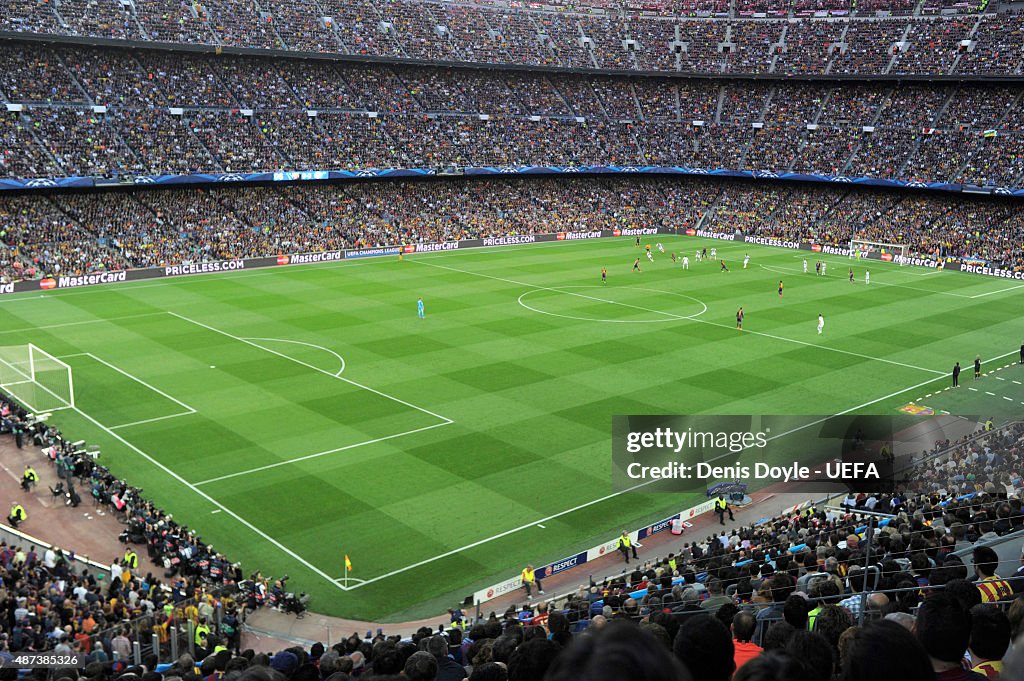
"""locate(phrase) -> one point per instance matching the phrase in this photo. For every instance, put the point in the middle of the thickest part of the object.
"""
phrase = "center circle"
(640, 306)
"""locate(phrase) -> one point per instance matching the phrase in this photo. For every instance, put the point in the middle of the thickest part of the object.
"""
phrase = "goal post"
(861, 248)
(36, 379)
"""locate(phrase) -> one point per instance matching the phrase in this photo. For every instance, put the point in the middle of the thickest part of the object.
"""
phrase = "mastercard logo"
(616, 232)
(409, 248)
(282, 260)
(691, 232)
(47, 284)
(887, 257)
(560, 236)
(816, 248)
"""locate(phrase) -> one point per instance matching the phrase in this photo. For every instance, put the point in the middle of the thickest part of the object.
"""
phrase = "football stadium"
(482, 339)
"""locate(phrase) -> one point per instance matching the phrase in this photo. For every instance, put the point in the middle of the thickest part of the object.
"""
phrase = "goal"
(863, 248)
(36, 379)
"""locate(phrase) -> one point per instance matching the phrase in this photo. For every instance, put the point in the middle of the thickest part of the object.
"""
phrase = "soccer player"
(780, 288)
(661, 249)
(419, 309)
(956, 375)
(697, 256)
(867, 277)
(977, 367)
(817, 268)
(714, 252)
(739, 319)
(1022, 353)
(746, 260)
(704, 253)
(650, 257)
(805, 265)
(823, 264)
(821, 323)
(636, 265)
(638, 241)
(686, 266)
(604, 275)
(647, 247)
(851, 275)
(724, 268)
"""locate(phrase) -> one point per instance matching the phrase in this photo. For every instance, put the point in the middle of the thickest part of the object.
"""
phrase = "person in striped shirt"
(993, 588)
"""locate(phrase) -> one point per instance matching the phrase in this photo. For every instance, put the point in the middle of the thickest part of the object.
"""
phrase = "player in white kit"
(746, 259)
(686, 262)
(821, 323)
(867, 277)
(805, 265)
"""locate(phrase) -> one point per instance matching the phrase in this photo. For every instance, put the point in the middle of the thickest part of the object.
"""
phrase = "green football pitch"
(298, 414)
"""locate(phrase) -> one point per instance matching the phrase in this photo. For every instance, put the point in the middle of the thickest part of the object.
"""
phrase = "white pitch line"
(153, 420)
(84, 321)
(139, 380)
(789, 270)
(1017, 382)
(311, 345)
(1008, 399)
(992, 293)
(319, 454)
(613, 495)
(310, 366)
(988, 393)
(972, 389)
(299, 559)
(693, 319)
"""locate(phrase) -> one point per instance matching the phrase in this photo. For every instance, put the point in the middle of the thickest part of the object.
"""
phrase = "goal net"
(36, 379)
(860, 248)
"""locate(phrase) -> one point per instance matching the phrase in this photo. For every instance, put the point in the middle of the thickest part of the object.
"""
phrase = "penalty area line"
(292, 554)
(319, 454)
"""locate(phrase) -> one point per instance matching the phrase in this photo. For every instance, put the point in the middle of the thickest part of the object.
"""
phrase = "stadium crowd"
(813, 594)
(61, 233)
(79, 111)
(716, 36)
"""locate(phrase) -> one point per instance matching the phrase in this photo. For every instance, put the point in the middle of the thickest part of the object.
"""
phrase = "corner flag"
(348, 564)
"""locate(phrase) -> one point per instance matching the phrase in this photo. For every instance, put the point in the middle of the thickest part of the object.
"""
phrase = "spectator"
(885, 649)
(993, 588)
(944, 629)
(619, 651)
(705, 647)
(990, 639)
(743, 626)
